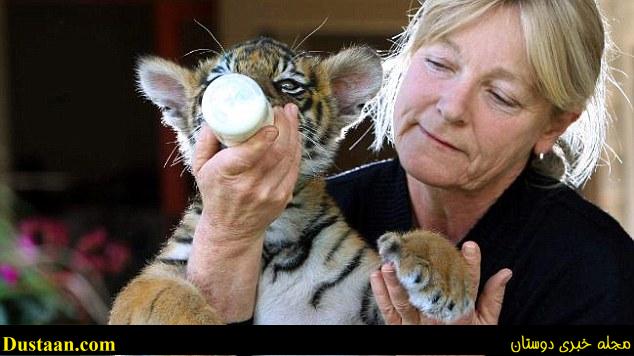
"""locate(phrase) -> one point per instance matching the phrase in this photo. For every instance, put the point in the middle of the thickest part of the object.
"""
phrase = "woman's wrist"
(225, 266)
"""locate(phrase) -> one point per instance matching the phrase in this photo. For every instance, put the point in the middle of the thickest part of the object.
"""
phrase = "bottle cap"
(235, 108)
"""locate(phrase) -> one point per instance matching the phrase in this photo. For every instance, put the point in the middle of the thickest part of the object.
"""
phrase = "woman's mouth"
(438, 140)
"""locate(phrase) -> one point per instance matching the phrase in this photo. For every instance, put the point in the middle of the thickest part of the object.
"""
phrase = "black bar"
(327, 340)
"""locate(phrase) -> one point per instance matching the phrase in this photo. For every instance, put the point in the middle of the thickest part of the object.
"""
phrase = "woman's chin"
(429, 170)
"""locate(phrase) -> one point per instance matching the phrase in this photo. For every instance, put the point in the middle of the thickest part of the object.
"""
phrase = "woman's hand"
(393, 300)
(244, 188)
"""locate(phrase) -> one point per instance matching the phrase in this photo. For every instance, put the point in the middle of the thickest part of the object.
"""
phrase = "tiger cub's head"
(329, 92)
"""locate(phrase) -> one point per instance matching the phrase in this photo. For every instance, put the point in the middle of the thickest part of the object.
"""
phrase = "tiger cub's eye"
(290, 86)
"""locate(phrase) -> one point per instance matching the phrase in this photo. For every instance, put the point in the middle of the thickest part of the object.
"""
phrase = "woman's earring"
(541, 156)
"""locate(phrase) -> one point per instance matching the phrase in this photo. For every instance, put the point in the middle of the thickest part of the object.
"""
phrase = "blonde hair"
(566, 44)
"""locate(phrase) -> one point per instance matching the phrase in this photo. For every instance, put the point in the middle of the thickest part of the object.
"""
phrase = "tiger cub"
(316, 269)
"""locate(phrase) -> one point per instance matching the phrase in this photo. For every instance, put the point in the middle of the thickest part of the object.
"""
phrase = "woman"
(480, 105)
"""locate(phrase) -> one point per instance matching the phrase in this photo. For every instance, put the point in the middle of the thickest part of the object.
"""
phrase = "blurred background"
(88, 188)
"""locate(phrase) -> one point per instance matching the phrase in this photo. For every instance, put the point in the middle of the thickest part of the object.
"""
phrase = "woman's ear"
(553, 130)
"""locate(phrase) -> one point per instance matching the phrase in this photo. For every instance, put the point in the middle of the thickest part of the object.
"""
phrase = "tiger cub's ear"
(167, 85)
(356, 75)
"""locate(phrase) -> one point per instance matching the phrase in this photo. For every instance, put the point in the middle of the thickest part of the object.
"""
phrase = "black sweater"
(572, 263)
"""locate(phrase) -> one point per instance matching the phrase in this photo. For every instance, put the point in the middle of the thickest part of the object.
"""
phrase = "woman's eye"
(436, 65)
(289, 86)
(500, 99)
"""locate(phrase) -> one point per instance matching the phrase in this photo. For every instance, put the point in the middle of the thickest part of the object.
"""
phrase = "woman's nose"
(453, 101)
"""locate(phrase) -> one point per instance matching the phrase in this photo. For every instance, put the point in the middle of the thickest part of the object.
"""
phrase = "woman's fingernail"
(469, 248)
(290, 109)
(507, 277)
(388, 268)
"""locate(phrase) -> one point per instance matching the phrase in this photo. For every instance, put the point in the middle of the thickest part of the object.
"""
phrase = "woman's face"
(467, 114)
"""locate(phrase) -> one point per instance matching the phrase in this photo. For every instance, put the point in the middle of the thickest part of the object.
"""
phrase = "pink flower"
(28, 248)
(9, 274)
(44, 231)
(94, 251)
(93, 240)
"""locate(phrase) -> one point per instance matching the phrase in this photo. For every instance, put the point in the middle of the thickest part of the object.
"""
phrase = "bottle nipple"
(235, 108)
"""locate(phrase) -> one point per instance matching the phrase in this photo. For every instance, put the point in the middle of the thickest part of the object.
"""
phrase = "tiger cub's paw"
(433, 272)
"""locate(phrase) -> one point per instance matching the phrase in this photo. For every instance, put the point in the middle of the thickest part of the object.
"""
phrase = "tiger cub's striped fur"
(315, 267)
